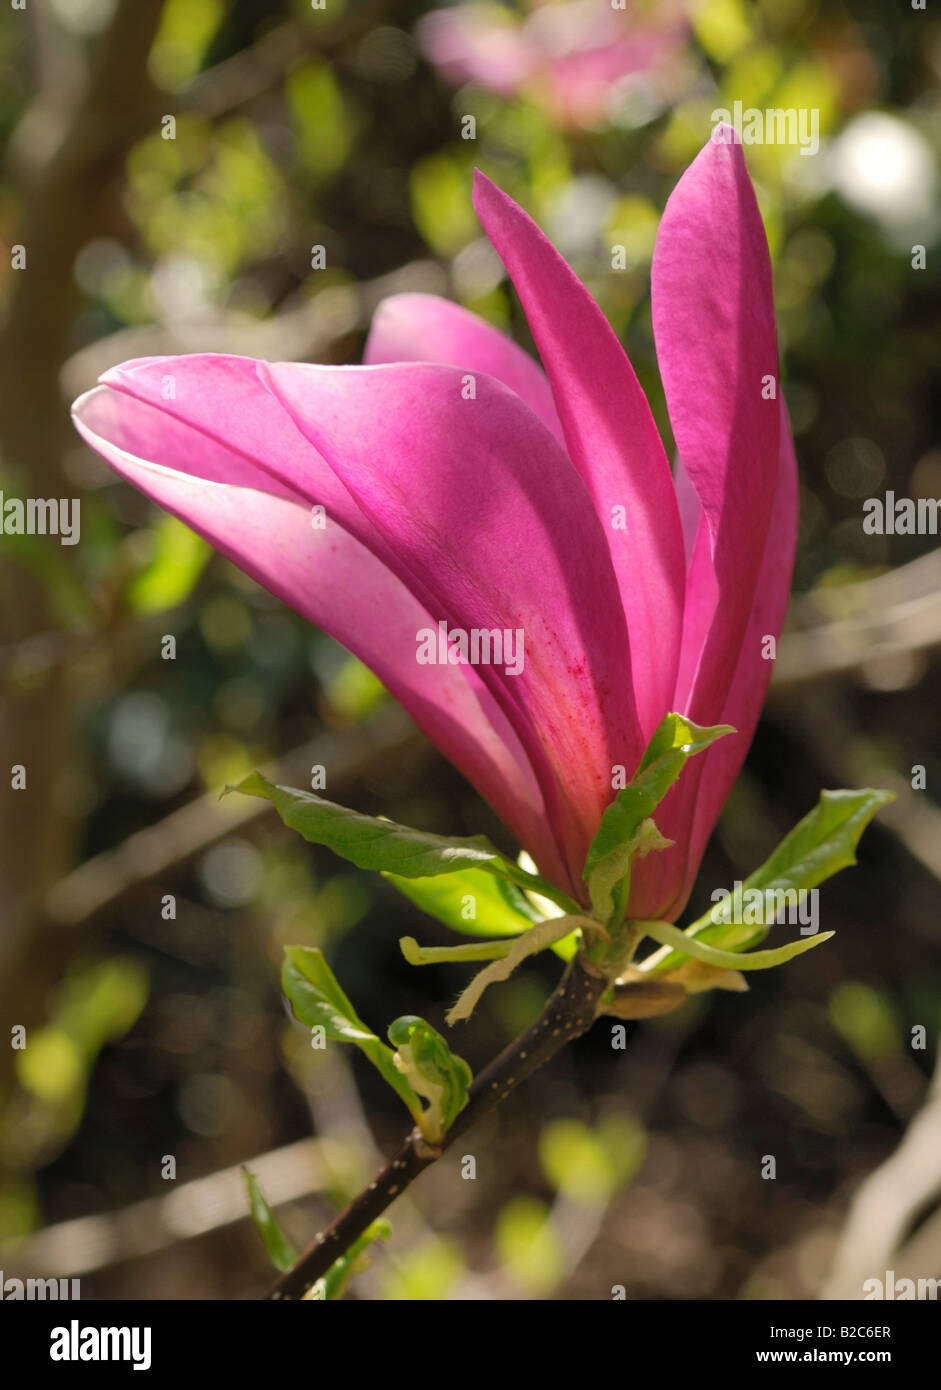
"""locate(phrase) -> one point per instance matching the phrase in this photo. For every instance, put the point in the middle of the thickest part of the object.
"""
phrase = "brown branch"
(569, 1012)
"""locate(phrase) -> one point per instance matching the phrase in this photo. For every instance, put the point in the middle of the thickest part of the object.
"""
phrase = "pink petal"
(424, 328)
(713, 319)
(490, 523)
(329, 578)
(661, 888)
(612, 440)
(470, 43)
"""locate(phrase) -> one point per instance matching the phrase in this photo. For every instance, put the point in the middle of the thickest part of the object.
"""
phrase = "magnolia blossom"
(464, 488)
(572, 56)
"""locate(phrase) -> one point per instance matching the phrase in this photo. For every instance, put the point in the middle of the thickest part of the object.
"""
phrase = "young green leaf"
(820, 845)
(278, 1248)
(620, 836)
(470, 901)
(333, 1284)
(371, 843)
(433, 1070)
(729, 960)
(318, 1001)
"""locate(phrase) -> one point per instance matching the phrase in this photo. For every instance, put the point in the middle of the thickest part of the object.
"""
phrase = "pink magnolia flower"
(462, 484)
(568, 55)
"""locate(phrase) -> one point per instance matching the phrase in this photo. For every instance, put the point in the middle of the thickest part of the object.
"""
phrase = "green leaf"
(622, 833)
(179, 558)
(730, 960)
(278, 1248)
(371, 843)
(318, 1001)
(820, 845)
(499, 908)
(333, 1284)
(433, 1070)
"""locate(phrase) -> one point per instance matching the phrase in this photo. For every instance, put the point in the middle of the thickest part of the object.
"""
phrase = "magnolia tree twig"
(569, 1012)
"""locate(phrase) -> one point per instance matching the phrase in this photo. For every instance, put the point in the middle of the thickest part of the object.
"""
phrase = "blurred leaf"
(528, 1245)
(575, 1163)
(186, 30)
(318, 1001)
(51, 1067)
(427, 1273)
(323, 126)
(441, 203)
(866, 1020)
(178, 559)
(722, 27)
(354, 691)
(278, 1248)
(624, 1140)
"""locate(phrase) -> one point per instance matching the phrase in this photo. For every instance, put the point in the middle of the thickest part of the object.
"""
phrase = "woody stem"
(569, 1012)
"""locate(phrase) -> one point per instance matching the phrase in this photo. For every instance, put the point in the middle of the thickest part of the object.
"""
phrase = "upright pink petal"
(713, 319)
(663, 882)
(490, 523)
(328, 577)
(611, 438)
(424, 328)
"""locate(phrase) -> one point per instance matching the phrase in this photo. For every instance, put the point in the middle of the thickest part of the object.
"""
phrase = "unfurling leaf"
(621, 835)
(433, 1071)
(536, 939)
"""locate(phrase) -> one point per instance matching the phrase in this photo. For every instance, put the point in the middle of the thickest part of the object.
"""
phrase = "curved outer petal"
(611, 438)
(491, 528)
(328, 577)
(710, 777)
(425, 328)
(713, 319)
(224, 401)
